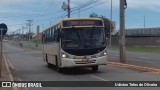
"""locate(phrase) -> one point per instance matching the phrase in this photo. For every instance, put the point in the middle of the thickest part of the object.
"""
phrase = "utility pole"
(69, 9)
(122, 32)
(144, 21)
(3, 31)
(110, 37)
(1, 51)
(22, 33)
(41, 28)
(29, 34)
(19, 35)
(66, 7)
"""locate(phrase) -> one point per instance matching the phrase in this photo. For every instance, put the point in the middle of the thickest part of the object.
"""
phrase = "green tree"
(106, 22)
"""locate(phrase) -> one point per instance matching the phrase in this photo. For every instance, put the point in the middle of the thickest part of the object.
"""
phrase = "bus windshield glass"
(83, 38)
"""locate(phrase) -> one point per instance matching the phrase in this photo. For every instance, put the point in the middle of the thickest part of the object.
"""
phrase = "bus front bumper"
(67, 62)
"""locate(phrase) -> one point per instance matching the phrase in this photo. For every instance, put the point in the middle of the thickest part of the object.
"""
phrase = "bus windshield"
(83, 38)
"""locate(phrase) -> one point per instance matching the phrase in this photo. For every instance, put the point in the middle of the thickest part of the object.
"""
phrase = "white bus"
(75, 42)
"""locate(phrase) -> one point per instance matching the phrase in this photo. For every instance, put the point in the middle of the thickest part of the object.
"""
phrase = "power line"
(61, 16)
(85, 5)
(90, 7)
(39, 20)
(34, 15)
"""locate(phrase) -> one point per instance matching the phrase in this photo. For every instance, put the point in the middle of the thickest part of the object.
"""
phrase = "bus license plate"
(85, 60)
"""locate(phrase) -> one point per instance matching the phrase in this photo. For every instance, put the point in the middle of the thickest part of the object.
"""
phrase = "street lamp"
(110, 37)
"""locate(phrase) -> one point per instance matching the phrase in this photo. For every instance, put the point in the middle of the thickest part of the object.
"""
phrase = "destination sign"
(82, 23)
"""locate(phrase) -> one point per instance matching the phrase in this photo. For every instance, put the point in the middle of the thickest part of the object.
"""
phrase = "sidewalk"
(6, 75)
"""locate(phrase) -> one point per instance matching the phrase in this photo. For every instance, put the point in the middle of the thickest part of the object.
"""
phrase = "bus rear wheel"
(95, 68)
(49, 65)
(59, 69)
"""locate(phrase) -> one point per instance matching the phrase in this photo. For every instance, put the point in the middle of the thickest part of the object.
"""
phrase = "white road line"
(99, 78)
(144, 57)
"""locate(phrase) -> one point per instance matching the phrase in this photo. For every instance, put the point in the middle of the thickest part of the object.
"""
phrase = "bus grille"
(85, 62)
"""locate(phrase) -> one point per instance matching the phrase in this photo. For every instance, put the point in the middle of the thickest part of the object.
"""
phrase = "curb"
(147, 69)
(7, 66)
(10, 75)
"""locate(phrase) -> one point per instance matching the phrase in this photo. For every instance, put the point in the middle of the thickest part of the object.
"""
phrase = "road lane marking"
(9, 62)
(144, 57)
(99, 78)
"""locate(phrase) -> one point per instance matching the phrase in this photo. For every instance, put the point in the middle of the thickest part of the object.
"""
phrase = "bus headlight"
(104, 53)
(64, 55)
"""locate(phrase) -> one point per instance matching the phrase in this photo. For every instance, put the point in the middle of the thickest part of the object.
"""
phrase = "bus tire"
(58, 69)
(48, 64)
(46, 58)
(95, 68)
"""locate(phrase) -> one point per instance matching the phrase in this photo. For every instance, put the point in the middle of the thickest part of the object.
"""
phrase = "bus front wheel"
(95, 68)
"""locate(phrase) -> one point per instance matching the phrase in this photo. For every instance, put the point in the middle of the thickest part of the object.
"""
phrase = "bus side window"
(50, 40)
(46, 37)
(43, 38)
(52, 35)
(48, 34)
(56, 34)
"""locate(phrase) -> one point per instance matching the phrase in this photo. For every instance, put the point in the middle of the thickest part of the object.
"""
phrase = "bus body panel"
(51, 50)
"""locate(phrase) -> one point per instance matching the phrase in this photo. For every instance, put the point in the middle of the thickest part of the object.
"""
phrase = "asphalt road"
(147, 57)
(29, 66)
(138, 58)
(132, 56)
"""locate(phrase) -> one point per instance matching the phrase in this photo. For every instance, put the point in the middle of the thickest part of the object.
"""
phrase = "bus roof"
(65, 19)
(81, 19)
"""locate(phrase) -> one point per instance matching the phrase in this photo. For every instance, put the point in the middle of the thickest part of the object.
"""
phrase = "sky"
(15, 13)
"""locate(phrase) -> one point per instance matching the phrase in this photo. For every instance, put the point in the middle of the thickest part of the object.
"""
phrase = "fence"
(138, 41)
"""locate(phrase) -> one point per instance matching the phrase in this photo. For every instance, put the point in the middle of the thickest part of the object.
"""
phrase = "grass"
(140, 49)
